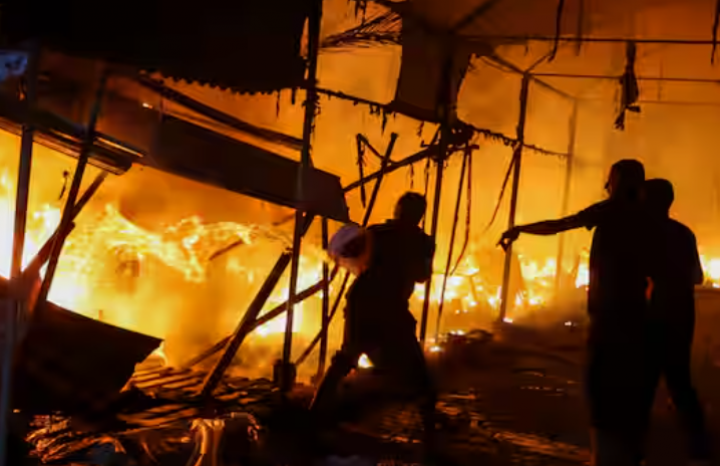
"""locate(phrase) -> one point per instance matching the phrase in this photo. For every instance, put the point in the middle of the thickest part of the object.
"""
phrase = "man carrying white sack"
(388, 259)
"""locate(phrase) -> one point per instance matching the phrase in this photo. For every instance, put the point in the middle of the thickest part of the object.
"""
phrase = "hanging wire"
(427, 183)
(361, 170)
(468, 212)
(558, 28)
(716, 26)
(580, 32)
(502, 194)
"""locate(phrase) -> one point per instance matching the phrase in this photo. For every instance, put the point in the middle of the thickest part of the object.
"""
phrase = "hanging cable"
(716, 25)
(468, 211)
(361, 171)
(502, 194)
(558, 28)
(580, 32)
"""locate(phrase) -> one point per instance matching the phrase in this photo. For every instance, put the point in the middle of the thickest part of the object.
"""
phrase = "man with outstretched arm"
(616, 307)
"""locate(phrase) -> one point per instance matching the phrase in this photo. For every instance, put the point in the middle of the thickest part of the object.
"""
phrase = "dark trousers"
(394, 352)
(670, 354)
(614, 384)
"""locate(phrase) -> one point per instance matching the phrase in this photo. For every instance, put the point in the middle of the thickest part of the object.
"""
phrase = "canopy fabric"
(247, 46)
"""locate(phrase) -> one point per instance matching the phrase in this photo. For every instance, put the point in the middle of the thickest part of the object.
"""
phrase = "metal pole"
(325, 305)
(448, 265)
(572, 134)
(311, 101)
(67, 215)
(12, 305)
(517, 155)
(445, 135)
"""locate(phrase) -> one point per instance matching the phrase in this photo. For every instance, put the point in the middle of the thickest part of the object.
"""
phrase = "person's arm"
(544, 228)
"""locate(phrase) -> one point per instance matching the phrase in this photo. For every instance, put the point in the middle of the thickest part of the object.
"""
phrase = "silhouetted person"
(675, 271)
(616, 307)
(378, 321)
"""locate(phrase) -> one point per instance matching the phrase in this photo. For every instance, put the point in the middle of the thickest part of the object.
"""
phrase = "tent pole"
(12, 306)
(67, 215)
(311, 102)
(325, 305)
(517, 155)
(445, 107)
(456, 218)
(572, 134)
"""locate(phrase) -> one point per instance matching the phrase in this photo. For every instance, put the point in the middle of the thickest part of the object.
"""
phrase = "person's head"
(659, 196)
(410, 208)
(626, 179)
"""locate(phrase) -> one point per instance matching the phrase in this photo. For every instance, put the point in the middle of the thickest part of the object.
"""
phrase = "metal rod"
(639, 78)
(82, 162)
(572, 134)
(215, 114)
(325, 305)
(311, 102)
(608, 40)
(444, 94)
(246, 323)
(517, 155)
(12, 306)
(43, 254)
(516, 69)
(448, 265)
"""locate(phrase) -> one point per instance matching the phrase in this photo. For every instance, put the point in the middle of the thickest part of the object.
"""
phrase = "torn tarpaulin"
(421, 73)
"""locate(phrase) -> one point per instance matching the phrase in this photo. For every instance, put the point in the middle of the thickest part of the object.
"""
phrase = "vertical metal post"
(448, 265)
(572, 134)
(325, 305)
(517, 155)
(13, 307)
(446, 115)
(67, 215)
(305, 163)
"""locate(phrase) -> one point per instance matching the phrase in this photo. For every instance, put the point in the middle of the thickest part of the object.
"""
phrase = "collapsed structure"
(89, 99)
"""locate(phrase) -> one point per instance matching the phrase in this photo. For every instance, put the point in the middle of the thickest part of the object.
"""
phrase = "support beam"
(12, 307)
(66, 219)
(609, 77)
(311, 103)
(569, 161)
(517, 156)
(599, 40)
(325, 325)
(447, 114)
(214, 114)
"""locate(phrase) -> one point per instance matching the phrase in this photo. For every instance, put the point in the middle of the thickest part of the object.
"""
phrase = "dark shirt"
(675, 270)
(401, 256)
(618, 268)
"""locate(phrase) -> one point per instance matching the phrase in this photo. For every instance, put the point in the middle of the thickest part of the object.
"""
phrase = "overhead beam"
(575, 39)
(639, 78)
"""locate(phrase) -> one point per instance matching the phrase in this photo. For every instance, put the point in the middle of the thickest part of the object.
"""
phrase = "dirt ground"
(513, 403)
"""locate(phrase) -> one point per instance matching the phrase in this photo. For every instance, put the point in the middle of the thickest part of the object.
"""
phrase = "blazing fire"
(165, 282)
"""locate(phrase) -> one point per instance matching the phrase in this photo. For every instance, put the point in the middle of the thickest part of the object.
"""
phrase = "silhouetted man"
(616, 307)
(378, 321)
(675, 271)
